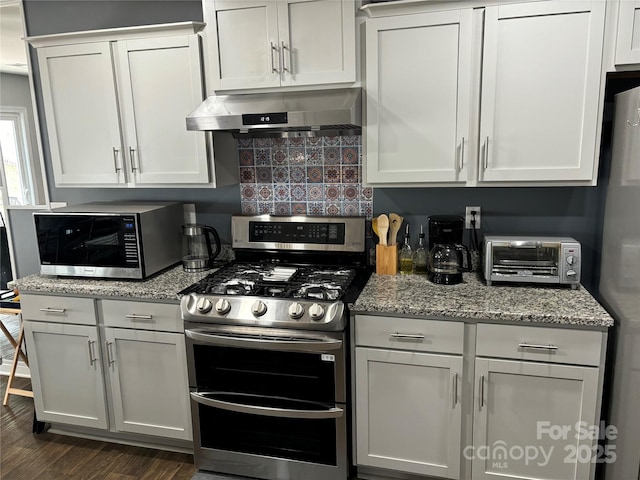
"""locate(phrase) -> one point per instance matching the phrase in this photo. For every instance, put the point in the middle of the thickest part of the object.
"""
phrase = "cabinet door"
(81, 109)
(408, 413)
(628, 37)
(541, 91)
(521, 406)
(66, 373)
(156, 99)
(418, 99)
(246, 44)
(149, 387)
(317, 41)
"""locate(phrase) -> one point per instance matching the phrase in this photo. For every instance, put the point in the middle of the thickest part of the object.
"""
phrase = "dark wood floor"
(48, 456)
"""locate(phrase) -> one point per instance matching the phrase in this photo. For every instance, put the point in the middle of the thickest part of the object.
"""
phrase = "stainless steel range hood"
(317, 112)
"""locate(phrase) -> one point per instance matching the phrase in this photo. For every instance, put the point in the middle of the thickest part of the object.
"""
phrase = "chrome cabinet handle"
(408, 336)
(132, 157)
(53, 310)
(455, 389)
(284, 65)
(116, 151)
(135, 316)
(462, 155)
(485, 164)
(481, 391)
(92, 359)
(537, 347)
(110, 360)
(273, 68)
(332, 412)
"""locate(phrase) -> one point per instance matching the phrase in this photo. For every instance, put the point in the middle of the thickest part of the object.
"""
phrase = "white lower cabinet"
(519, 409)
(66, 373)
(115, 372)
(408, 402)
(514, 403)
(408, 417)
(146, 365)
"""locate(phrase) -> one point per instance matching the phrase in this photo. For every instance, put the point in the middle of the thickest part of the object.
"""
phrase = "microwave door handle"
(264, 343)
(266, 411)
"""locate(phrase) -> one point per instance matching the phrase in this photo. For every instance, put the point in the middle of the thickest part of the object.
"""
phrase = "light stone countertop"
(414, 295)
(161, 287)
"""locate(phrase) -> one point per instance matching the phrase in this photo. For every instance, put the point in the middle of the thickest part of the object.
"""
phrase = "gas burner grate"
(281, 281)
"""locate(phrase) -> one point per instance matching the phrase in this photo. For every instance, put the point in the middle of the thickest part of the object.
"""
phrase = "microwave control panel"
(130, 238)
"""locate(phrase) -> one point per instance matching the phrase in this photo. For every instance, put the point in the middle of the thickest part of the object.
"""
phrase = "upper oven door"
(266, 362)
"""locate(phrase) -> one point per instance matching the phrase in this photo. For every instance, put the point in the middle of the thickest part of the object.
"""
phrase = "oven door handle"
(264, 343)
(267, 411)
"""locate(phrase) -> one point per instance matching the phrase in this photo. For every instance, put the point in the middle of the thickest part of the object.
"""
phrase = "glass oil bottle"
(420, 255)
(406, 255)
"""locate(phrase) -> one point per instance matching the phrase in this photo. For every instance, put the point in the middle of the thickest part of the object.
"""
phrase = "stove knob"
(258, 308)
(316, 312)
(223, 306)
(204, 305)
(296, 310)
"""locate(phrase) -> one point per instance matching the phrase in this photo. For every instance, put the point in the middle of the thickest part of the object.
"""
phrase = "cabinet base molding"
(123, 439)
(368, 473)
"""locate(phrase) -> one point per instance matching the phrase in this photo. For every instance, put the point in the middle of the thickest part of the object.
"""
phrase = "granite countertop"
(414, 295)
(163, 286)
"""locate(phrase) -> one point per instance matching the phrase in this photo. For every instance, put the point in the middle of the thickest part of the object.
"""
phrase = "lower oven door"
(268, 403)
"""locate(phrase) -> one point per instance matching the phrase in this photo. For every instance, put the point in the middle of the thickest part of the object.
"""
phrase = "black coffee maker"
(446, 259)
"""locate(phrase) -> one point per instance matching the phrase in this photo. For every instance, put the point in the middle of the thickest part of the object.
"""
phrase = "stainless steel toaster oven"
(554, 260)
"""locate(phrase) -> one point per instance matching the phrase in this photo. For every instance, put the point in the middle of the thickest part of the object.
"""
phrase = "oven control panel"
(273, 312)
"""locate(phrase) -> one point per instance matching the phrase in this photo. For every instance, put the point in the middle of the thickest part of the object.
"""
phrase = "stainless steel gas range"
(267, 349)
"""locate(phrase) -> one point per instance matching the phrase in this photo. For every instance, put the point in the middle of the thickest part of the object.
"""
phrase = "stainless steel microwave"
(532, 259)
(110, 240)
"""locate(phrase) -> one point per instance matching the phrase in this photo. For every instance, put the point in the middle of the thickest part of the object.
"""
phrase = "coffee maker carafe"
(446, 252)
(197, 250)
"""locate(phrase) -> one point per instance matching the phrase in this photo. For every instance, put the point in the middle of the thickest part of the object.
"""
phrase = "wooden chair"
(17, 355)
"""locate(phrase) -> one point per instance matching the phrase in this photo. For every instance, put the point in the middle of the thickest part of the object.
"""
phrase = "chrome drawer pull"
(408, 336)
(135, 316)
(537, 347)
(110, 359)
(53, 310)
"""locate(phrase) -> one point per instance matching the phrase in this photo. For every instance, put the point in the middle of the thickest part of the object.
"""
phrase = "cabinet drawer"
(410, 334)
(58, 309)
(538, 343)
(142, 315)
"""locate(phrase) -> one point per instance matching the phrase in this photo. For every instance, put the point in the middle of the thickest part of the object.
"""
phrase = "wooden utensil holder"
(386, 259)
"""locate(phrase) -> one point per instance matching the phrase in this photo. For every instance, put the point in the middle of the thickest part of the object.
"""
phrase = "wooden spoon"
(374, 226)
(383, 228)
(395, 221)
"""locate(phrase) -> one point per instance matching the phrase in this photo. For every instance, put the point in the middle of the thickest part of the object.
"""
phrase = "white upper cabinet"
(156, 100)
(116, 103)
(500, 95)
(418, 99)
(628, 37)
(540, 91)
(271, 43)
(81, 110)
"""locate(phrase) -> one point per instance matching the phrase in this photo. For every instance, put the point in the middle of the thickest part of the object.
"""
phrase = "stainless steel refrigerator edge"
(620, 283)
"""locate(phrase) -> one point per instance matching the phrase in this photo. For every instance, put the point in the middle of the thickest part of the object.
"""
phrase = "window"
(17, 177)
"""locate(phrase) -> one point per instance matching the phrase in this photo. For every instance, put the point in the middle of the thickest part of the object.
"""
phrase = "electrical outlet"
(468, 217)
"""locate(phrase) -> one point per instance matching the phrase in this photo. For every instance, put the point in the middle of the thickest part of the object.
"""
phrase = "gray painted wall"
(15, 92)
(558, 210)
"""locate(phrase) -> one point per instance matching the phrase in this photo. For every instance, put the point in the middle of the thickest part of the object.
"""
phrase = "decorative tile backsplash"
(313, 176)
